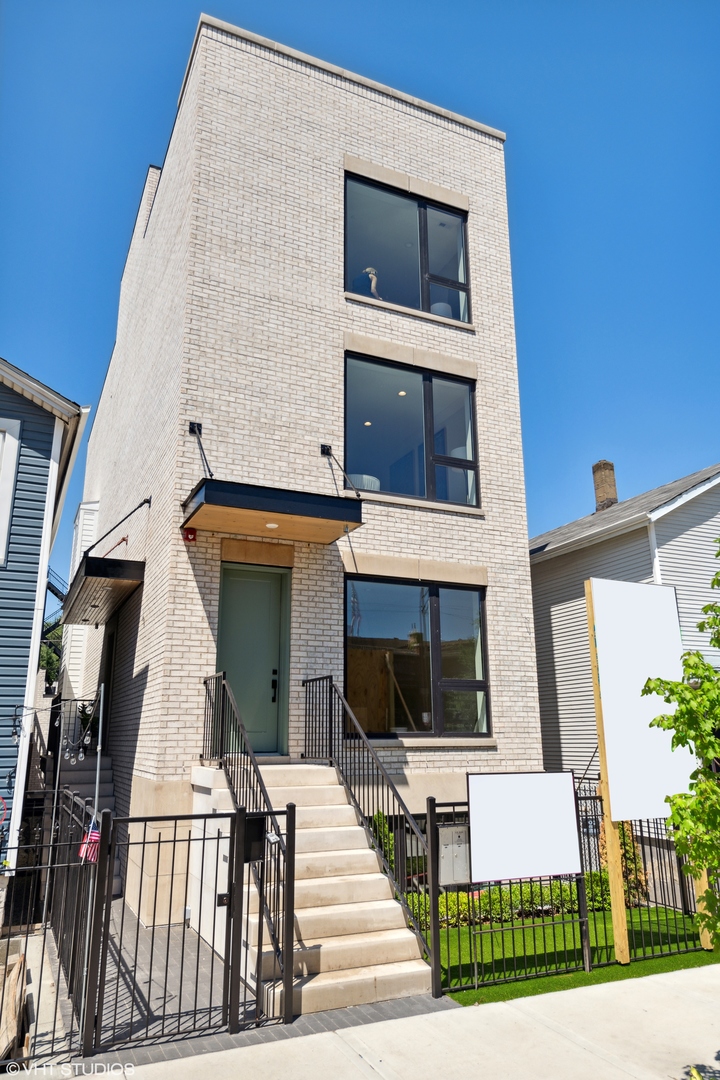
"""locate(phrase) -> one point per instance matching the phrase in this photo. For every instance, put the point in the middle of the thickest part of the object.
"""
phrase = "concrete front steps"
(352, 943)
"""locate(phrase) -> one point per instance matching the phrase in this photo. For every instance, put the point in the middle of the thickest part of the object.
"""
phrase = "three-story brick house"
(312, 408)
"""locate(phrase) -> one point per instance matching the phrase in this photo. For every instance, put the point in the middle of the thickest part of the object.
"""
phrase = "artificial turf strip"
(547, 984)
(551, 946)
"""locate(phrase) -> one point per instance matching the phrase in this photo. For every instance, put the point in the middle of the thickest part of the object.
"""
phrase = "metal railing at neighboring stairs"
(226, 742)
(333, 733)
(57, 585)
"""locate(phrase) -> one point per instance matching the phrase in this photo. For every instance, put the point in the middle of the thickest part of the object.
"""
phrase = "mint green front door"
(252, 647)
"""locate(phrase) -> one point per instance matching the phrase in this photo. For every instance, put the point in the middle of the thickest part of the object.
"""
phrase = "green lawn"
(501, 951)
(614, 973)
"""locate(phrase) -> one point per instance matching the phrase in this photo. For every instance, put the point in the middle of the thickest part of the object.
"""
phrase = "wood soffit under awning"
(98, 589)
(249, 510)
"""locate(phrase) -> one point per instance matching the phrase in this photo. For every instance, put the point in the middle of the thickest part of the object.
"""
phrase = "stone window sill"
(435, 742)
(355, 298)
(418, 504)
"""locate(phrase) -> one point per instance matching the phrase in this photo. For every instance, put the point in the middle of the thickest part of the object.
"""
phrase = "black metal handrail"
(333, 733)
(226, 741)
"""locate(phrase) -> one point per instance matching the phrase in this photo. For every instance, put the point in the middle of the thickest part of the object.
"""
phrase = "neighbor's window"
(409, 432)
(401, 249)
(415, 658)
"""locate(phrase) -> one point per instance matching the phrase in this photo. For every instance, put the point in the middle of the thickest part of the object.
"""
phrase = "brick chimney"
(605, 489)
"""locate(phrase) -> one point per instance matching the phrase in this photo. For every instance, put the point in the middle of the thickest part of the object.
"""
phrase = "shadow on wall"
(204, 557)
(547, 688)
(127, 697)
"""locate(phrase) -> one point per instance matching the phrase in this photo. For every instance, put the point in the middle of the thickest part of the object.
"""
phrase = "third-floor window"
(405, 250)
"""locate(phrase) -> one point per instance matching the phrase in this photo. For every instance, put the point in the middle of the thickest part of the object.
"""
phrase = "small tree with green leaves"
(695, 815)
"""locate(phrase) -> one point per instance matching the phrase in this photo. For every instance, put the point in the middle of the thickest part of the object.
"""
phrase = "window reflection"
(465, 711)
(385, 435)
(382, 246)
(446, 245)
(452, 419)
(455, 485)
(461, 634)
(388, 656)
(450, 303)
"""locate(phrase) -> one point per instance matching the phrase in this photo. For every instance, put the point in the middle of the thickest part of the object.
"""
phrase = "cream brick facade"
(233, 313)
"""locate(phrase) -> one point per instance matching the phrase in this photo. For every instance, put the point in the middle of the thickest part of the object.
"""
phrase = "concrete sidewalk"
(652, 1028)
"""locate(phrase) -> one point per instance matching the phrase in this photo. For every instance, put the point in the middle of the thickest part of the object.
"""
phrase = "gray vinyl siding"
(686, 540)
(18, 577)
(567, 712)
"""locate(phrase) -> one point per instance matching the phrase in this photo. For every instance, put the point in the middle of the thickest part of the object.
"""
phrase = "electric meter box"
(454, 849)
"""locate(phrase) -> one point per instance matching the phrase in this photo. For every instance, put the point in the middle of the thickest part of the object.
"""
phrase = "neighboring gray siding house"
(665, 537)
(39, 436)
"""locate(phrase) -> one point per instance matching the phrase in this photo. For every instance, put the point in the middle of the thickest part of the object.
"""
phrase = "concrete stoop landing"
(352, 943)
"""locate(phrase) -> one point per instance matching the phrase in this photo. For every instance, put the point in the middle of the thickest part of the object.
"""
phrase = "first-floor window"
(415, 657)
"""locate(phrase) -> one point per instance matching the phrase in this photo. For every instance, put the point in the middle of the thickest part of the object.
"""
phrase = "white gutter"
(77, 439)
(578, 542)
(687, 496)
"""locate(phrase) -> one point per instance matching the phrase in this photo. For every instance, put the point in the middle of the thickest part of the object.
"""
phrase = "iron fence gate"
(143, 929)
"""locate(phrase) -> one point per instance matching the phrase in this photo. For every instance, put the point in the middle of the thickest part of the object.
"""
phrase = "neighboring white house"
(667, 536)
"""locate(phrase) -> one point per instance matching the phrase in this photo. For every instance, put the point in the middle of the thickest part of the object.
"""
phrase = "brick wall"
(233, 314)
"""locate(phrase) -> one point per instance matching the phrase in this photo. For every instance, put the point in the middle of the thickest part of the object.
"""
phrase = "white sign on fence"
(637, 637)
(522, 825)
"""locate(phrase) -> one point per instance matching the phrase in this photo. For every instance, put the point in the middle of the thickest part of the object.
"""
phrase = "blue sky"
(612, 112)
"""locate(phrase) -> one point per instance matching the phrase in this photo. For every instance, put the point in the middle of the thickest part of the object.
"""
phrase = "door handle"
(273, 684)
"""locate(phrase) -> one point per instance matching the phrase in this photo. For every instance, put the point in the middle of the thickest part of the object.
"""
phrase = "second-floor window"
(410, 432)
(404, 250)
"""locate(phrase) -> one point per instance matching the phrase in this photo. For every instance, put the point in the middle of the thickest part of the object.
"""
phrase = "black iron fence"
(492, 931)
(44, 925)
(660, 898)
(142, 929)
(332, 733)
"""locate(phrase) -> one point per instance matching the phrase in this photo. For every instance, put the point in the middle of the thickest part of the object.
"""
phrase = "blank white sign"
(522, 825)
(637, 636)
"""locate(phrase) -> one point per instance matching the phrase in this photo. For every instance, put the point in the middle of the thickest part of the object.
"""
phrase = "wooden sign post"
(612, 833)
(701, 886)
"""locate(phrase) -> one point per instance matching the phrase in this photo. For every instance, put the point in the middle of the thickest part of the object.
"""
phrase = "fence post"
(330, 704)
(584, 926)
(91, 989)
(434, 898)
(236, 898)
(289, 926)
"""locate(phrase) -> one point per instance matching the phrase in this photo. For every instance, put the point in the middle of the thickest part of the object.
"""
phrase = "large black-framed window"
(410, 432)
(405, 250)
(416, 657)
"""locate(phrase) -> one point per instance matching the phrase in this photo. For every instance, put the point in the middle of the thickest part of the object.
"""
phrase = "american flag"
(90, 847)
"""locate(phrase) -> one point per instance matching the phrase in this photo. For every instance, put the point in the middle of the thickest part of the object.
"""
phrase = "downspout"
(654, 553)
